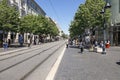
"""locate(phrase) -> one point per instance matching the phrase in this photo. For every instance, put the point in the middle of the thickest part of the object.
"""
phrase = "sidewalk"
(16, 47)
(12, 47)
(89, 65)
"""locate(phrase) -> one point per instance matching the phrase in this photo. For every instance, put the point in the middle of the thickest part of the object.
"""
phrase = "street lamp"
(103, 12)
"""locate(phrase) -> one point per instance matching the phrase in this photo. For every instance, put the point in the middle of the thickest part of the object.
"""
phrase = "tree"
(28, 24)
(53, 30)
(88, 16)
(9, 17)
(64, 36)
(80, 21)
(37, 25)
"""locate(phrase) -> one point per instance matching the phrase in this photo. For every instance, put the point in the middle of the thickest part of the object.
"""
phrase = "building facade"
(24, 7)
(112, 31)
(27, 7)
(115, 22)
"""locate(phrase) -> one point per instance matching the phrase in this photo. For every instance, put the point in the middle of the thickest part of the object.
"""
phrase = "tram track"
(23, 67)
(32, 70)
(26, 58)
(20, 53)
(14, 52)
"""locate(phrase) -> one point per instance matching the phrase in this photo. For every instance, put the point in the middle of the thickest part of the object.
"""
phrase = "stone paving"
(89, 65)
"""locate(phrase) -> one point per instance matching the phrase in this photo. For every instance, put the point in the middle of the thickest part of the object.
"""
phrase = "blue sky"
(62, 11)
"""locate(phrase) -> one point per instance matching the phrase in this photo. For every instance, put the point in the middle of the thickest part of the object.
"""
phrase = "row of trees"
(88, 16)
(36, 24)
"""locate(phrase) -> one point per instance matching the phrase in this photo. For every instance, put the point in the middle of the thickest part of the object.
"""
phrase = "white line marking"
(53, 71)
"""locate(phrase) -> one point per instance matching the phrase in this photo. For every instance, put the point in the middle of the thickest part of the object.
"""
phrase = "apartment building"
(27, 7)
(24, 7)
(115, 22)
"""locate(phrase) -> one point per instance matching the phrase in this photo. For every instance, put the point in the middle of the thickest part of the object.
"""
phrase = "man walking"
(81, 46)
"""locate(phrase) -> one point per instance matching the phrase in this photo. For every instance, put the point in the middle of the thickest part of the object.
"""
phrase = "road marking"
(53, 71)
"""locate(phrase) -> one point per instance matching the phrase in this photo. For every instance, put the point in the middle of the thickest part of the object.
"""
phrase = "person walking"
(108, 44)
(67, 43)
(5, 45)
(81, 47)
(29, 41)
(20, 40)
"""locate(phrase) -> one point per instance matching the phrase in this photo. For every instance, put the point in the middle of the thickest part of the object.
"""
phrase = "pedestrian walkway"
(89, 65)
(12, 47)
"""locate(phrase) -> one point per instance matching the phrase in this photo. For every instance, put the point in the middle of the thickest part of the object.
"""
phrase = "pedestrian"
(108, 44)
(29, 41)
(5, 45)
(96, 43)
(81, 47)
(9, 42)
(20, 38)
(73, 42)
(102, 45)
(35, 40)
(67, 43)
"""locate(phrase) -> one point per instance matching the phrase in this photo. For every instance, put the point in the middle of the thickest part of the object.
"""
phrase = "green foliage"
(27, 24)
(38, 25)
(65, 36)
(88, 16)
(46, 26)
(9, 20)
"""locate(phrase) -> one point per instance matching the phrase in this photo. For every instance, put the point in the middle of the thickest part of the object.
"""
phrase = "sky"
(62, 11)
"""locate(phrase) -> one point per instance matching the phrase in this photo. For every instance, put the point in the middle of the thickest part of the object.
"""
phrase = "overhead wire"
(54, 10)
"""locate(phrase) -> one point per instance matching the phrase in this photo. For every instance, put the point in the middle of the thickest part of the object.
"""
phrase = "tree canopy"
(9, 17)
(38, 25)
(88, 16)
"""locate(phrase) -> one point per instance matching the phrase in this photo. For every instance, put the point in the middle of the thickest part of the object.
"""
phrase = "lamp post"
(104, 21)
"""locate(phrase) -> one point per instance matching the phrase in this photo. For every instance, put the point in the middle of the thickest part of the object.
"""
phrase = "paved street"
(29, 63)
(89, 65)
(74, 65)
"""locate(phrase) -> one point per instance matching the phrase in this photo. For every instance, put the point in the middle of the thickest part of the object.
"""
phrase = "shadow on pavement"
(16, 46)
(71, 46)
(118, 63)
